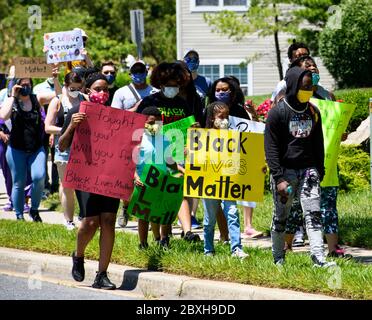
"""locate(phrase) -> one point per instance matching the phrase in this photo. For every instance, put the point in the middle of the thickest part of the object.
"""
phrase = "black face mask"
(25, 91)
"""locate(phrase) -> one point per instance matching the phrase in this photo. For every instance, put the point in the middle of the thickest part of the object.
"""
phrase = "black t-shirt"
(62, 111)
(68, 117)
(171, 109)
(27, 127)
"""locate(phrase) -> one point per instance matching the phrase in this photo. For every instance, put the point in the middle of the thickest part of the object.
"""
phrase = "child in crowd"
(217, 118)
(154, 149)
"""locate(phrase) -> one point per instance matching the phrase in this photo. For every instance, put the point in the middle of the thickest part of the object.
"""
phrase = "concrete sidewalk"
(142, 283)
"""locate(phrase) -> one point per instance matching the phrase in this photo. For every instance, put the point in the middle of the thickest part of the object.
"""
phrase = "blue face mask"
(139, 78)
(223, 96)
(25, 91)
(192, 64)
(315, 78)
(110, 78)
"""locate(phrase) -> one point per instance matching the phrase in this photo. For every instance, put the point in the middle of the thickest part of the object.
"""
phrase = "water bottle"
(289, 191)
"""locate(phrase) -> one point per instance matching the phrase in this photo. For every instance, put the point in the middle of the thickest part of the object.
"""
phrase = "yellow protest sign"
(224, 164)
(335, 119)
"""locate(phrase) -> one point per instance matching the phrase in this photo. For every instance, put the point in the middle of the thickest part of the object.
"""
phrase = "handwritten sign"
(32, 68)
(102, 152)
(176, 133)
(224, 164)
(244, 125)
(63, 46)
(160, 199)
(335, 119)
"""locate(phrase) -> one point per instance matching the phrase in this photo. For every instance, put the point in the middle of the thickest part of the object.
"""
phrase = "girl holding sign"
(218, 118)
(98, 211)
(57, 112)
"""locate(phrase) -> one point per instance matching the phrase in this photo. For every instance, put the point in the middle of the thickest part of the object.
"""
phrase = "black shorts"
(92, 204)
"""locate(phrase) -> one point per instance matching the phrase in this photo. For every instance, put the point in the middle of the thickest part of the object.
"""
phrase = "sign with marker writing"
(63, 46)
(244, 125)
(224, 164)
(103, 151)
(159, 200)
(32, 68)
(335, 119)
(176, 132)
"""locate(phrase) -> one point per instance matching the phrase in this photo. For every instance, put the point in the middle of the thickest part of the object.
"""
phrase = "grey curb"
(150, 284)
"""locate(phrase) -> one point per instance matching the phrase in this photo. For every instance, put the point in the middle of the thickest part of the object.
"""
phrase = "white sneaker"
(70, 225)
(322, 263)
(239, 253)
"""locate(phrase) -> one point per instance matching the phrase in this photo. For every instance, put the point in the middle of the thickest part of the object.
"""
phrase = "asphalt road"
(19, 288)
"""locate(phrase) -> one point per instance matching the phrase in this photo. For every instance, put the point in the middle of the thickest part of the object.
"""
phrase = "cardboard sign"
(63, 46)
(244, 125)
(103, 151)
(224, 164)
(335, 119)
(176, 133)
(160, 199)
(32, 68)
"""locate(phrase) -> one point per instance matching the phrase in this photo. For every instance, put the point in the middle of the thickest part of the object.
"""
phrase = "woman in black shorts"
(97, 210)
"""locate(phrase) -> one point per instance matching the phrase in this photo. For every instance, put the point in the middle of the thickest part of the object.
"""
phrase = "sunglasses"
(110, 72)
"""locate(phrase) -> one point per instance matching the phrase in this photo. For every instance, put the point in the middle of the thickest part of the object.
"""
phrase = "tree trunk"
(277, 50)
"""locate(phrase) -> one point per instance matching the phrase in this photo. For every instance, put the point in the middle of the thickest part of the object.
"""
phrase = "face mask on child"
(221, 123)
(152, 129)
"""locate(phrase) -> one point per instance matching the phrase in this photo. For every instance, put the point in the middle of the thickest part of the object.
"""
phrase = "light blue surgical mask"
(139, 78)
(170, 92)
(315, 78)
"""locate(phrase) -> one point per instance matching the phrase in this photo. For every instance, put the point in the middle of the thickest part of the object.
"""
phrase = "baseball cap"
(83, 33)
(141, 62)
(187, 51)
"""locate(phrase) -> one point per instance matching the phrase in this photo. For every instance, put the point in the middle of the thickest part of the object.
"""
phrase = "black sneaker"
(191, 237)
(164, 243)
(143, 246)
(78, 271)
(103, 282)
(34, 214)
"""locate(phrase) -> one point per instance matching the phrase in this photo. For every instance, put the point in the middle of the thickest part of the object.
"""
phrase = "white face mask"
(153, 129)
(171, 92)
(221, 123)
(73, 94)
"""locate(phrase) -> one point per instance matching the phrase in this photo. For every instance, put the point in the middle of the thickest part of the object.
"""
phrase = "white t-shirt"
(125, 99)
(282, 85)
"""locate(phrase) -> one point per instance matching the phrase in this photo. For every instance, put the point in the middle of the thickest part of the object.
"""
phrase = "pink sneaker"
(253, 233)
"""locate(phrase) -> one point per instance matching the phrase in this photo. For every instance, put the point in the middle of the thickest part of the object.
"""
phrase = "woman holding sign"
(98, 211)
(57, 112)
(26, 152)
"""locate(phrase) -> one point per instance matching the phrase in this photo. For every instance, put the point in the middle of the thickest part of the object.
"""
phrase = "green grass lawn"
(355, 280)
(354, 209)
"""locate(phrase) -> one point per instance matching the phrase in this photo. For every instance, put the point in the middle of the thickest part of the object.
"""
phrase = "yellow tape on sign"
(224, 164)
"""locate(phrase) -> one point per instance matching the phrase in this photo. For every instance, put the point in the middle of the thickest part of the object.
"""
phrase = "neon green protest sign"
(335, 119)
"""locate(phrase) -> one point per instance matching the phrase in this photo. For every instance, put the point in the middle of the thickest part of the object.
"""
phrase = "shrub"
(346, 50)
(360, 98)
(353, 164)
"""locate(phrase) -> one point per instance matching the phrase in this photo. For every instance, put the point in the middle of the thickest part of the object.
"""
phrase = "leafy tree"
(107, 23)
(346, 49)
(264, 17)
